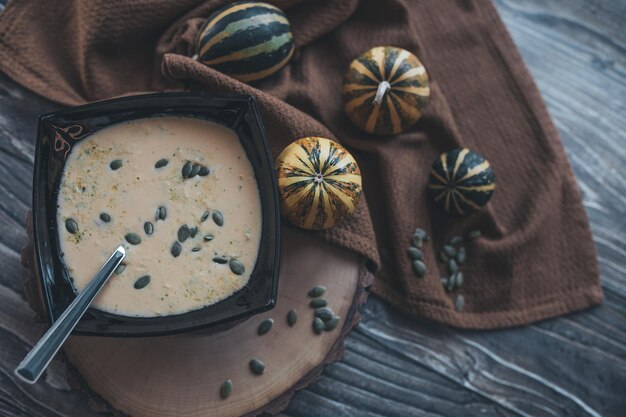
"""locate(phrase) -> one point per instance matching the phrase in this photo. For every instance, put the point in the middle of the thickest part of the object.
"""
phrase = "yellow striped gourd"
(386, 90)
(319, 183)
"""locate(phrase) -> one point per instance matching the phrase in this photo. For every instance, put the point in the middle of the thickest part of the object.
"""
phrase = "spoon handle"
(33, 365)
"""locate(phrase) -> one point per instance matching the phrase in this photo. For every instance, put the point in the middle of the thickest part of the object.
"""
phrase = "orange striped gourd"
(386, 90)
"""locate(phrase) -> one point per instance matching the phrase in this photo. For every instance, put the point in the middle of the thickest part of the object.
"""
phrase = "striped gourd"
(319, 183)
(386, 90)
(246, 40)
(461, 181)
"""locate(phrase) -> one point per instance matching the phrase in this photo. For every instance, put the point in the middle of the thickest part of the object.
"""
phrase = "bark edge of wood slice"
(181, 375)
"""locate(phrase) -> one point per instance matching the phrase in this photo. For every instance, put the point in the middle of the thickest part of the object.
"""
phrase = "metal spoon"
(37, 360)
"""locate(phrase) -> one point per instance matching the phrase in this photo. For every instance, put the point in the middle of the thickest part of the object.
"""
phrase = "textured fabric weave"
(536, 258)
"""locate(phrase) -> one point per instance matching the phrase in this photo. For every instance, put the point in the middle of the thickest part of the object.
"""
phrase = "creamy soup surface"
(131, 196)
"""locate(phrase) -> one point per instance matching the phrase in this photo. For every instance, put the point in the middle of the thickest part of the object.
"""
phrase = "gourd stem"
(380, 93)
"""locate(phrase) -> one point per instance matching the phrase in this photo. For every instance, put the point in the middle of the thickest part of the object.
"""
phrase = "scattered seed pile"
(453, 255)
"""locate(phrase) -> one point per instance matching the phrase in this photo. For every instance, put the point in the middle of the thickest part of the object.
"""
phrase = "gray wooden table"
(569, 366)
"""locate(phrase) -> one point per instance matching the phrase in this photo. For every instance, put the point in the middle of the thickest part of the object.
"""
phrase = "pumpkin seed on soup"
(194, 170)
(208, 237)
(204, 171)
(116, 164)
(120, 268)
(236, 266)
(161, 213)
(220, 260)
(105, 217)
(133, 238)
(142, 282)
(205, 216)
(192, 232)
(292, 317)
(187, 169)
(218, 218)
(183, 233)
(226, 389)
(71, 226)
(256, 366)
(318, 302)
(317, 291)
(265, 326)
(161, 163)
(148, 228)
(196, 249)
(175, 249)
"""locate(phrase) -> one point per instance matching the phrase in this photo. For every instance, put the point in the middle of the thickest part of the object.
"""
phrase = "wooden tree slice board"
(181, 375)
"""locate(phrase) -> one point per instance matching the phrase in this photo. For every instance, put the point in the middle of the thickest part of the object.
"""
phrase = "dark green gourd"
(461, 181)
(385, 90)
(246, 40)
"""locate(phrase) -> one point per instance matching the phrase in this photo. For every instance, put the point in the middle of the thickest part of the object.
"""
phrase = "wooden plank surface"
(393, 366)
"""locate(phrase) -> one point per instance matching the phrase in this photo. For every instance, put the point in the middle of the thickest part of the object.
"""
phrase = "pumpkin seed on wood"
(417, 241)
(218, 218)
(415, 253)
(292, 317)
(148, 228)
(133, 238)
(452, 266)
(318, 325)
(187, 169)
(205, 216)
(142, 282)
(120, 268)
(116, 164)
(459, 279)
(459, 302)
(196, 249)
(256, 366)
(183, 233)
(324, 313)
(193, 231)
(176, 249)
(460, 256)
(226, 389)
(220, 260)
(161, 163)
(449, 251)
(208, 237)
(105, 217)
(419, 268)
(318, 302)
(236, 266)
(421, 233)
(317, 291)
(204, 171)
(331, 324)
(71, 226)
(474, 234)
(456, 240)
(265, 326)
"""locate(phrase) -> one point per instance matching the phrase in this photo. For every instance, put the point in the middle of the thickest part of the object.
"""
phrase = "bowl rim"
(42, 267)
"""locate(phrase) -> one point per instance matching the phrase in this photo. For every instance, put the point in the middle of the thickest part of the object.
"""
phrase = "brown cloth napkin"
(535, 258)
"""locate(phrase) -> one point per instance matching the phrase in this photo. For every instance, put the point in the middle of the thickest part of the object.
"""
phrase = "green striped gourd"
(319, 183)
(461, 181)
(246, 40)
(386, 90)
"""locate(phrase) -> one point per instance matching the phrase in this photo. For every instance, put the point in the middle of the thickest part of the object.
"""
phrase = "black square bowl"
(59, 131)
